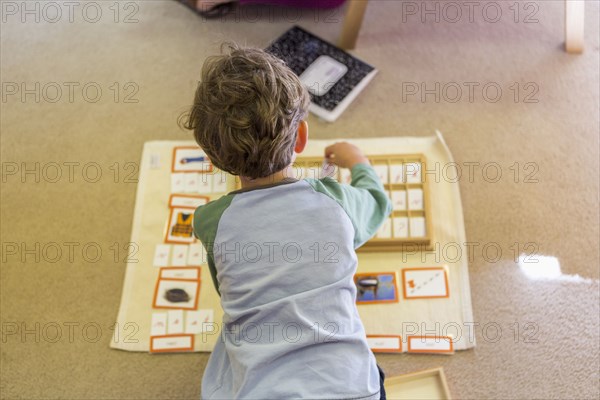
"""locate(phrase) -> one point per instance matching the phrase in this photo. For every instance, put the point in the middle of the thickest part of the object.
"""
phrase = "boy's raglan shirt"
(282, 258)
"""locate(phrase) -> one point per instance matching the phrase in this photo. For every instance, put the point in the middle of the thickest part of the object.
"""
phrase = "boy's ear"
(301, 137)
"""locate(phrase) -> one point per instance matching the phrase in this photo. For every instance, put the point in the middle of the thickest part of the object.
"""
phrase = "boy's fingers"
(329, 151)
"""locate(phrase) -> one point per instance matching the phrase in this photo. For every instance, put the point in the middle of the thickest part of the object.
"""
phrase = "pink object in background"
(298, 3)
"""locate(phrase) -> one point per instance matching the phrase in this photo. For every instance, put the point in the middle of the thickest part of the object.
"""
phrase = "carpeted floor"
(65, 227)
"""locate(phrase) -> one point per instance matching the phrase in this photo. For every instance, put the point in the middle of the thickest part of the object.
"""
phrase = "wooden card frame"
(395, 243)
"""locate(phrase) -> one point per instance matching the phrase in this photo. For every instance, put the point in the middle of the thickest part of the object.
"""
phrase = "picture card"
(177, 183)
(158, 325)
(179, 255)
(376, 287)
(425, 283)
(190, 159)
(174, 322)
(187, 200)
(385, 343)
(415, 199)
(185, 273)
(430, 344)
(176, 294)
(161, 255)
(399, 199)
(197, 321)
(196, 255)
(417, 227)
(397, 173)
(413, 172)
(171, 343)
(180, 226)
(400, 227)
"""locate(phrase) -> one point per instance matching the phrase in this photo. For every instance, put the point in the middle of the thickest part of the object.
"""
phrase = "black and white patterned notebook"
(332, 76)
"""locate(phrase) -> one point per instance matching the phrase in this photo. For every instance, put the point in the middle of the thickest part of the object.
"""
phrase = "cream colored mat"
(450, 316)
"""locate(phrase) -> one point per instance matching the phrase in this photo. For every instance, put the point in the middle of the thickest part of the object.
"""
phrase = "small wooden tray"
(429, 384)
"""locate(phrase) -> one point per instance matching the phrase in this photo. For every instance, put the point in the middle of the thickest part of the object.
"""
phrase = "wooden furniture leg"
(352, 23)
(574, 17)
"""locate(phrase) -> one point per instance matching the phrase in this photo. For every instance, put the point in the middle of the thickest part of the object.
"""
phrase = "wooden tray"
(429, 384)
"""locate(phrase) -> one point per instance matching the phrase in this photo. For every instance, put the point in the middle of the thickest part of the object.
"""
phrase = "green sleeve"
(364, 200)
(206, 222)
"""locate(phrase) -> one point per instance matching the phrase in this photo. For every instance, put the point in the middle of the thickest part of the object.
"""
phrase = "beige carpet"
(556, 351)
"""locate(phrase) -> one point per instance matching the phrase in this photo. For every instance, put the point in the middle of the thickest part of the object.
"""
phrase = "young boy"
(281, 251)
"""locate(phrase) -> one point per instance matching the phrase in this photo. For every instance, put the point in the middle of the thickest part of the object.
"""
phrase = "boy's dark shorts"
(381, 379)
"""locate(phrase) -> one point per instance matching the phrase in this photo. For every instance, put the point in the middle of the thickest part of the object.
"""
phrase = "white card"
(154, 161)
(415, 199)
(161, 255)
(179, 255)
(401, 227)
(425, 282)
(346, 175)
(180, 273)
(205, 183)
(399, 199)
(195, 321)
(385, 231)
(190, 182)
(186, 200)
(196, 255)
(174, 322)
(177, 183)
(397, 173)
(328, 170)
(158, 326)
(417, 227)
(384, 343)
(219, 182)
(413, 172)
(382, 173)
(430, 344)
(171, 343)
(322, 74)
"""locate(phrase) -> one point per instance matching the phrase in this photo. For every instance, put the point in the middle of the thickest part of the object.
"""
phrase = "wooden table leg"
(574, 17)
(352, 23)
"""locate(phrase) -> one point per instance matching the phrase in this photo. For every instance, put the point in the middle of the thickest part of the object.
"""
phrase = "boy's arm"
(364, 200)
(206, 222)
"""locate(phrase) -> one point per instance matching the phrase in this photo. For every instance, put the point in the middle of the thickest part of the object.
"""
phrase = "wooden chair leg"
(574, 18)
(352, 23)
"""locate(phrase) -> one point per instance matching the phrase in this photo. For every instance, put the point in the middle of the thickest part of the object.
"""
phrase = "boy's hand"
(345, 155)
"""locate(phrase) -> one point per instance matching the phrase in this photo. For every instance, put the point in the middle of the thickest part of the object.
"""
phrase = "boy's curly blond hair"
(246, 111)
